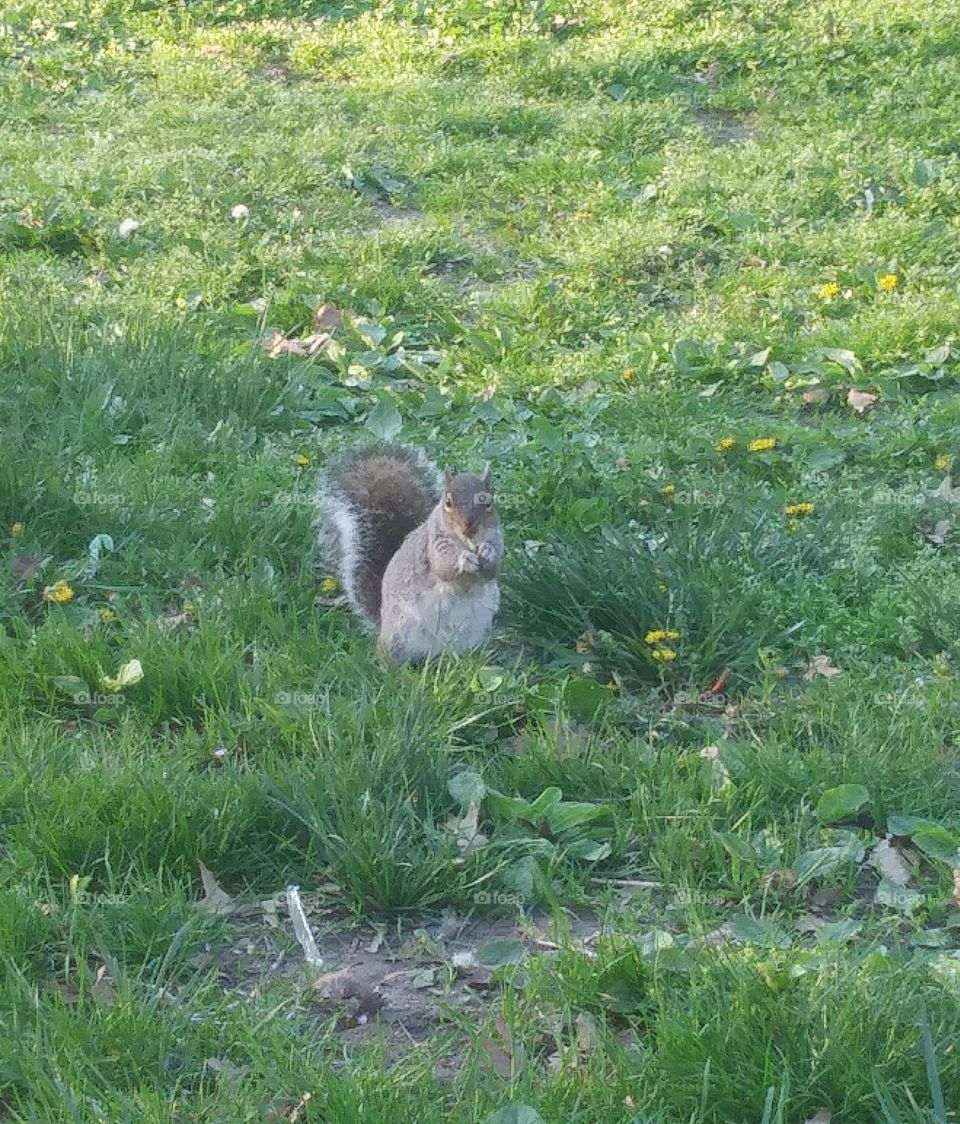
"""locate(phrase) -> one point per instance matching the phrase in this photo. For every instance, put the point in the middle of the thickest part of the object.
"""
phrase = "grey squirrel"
(418, 554)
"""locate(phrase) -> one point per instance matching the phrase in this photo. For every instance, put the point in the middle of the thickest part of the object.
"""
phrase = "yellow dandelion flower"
(60, 593)
(301, 460)
(655, 635)
(795, 509)
(628, 374)
(941, 464)
(830, 291)
(106, 615)
(664, 655)
(668, 490)
(887, 282)
(762, 444)
(329, 585)
(16, 530)
(725, 443)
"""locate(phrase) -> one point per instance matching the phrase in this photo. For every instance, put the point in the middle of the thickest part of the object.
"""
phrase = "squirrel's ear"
(486, 475)
(447, 477)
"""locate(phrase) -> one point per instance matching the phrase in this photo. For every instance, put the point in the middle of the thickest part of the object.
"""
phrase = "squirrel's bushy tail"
(370, 500)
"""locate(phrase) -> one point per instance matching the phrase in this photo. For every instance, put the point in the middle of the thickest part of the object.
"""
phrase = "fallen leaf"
(225, 1068)
(820, 666)
(948, 491)
(860, 400)
(327, 318)
(887, 858)
(215, 899)
(717, 685)
(506, 1057)
(939, 532)
(305, 348)
(301, 927)
(464, 830)
(211, 50)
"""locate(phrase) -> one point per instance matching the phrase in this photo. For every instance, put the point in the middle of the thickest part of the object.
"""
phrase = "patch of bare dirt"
(401, 981)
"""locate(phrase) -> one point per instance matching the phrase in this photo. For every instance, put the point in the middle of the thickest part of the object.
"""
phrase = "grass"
(609, 248)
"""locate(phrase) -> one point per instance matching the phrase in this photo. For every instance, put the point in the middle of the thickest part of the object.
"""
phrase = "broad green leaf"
(72, 686)
(467, 787)
(571, 814)
(754, 930)
(515, 1114)
(897, 897)
(841, 802)
(583, 697)
(384, 420)
(588, 850)
(546, 434)
(495, 954)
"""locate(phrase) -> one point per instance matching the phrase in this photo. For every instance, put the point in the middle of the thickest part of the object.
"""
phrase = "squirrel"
(418, 555)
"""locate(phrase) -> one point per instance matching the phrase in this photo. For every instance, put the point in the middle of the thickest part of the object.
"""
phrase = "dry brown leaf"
(211, 50)
(820, 666)
(465, 830)
(215, 899)
(948, 491)
(327, 318)
(937, 535)
(305, 348)
(506, 1056)
(889, 860)
(860, 400)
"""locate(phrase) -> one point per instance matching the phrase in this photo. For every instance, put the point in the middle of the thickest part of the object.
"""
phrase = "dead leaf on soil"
(948, 491)
(889, 860)
(938, 534)
(216, 899)
(860, 400)
(506, 1057)
(820, 666)
(225, 1068)
(305, 347)
(465, 831)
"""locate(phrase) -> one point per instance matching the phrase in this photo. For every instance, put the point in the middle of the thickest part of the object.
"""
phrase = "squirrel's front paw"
(487, 555)
(468, 563)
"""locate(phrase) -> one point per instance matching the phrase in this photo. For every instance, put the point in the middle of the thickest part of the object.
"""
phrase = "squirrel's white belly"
(444, 618)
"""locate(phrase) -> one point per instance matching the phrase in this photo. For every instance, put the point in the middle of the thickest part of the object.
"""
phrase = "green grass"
(550, 256)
